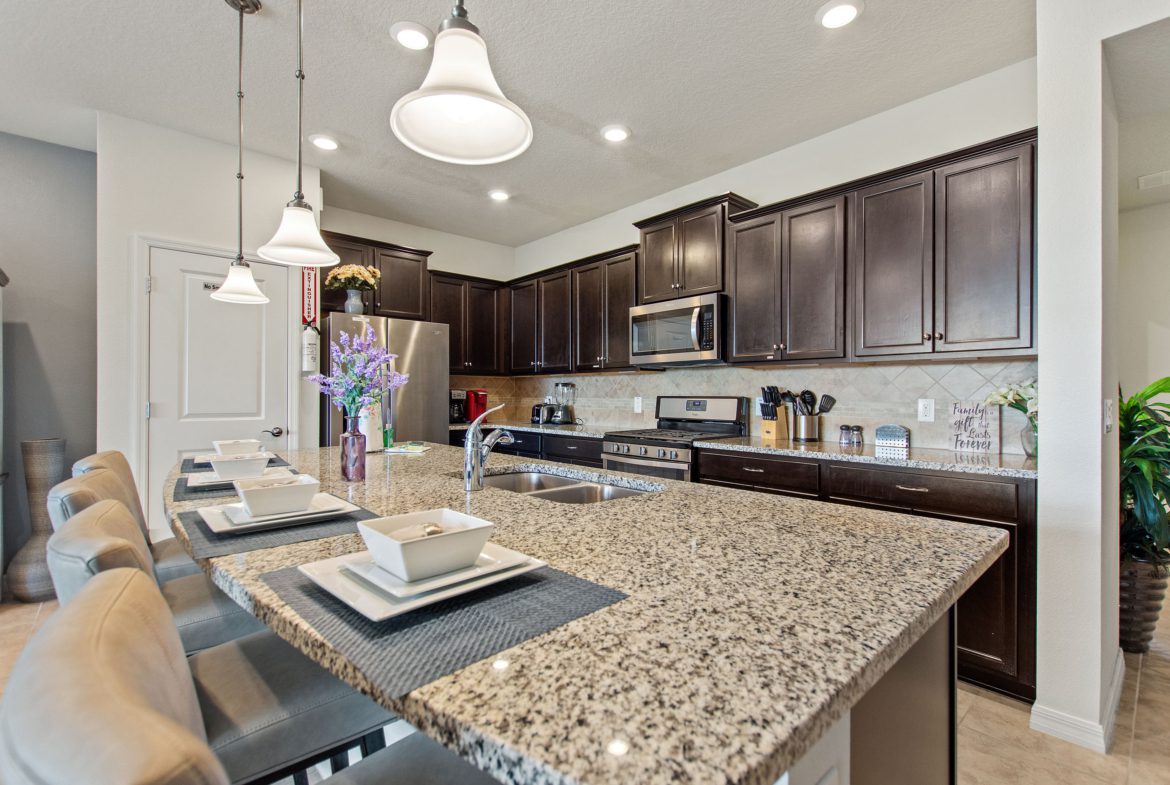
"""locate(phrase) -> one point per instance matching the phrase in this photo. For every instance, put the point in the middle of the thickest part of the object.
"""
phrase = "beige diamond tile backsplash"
(867, 395)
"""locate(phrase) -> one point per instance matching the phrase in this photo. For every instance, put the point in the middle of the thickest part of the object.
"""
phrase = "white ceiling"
(1139, 71)
(704, 85)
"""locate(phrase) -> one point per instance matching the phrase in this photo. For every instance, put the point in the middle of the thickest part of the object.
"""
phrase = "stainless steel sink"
(554, 488)
(527, 482)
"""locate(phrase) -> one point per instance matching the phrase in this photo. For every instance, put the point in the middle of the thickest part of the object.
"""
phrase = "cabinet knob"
(775, 347)
(782, 347)
(532, 363)
(926, 336)
(938, 336)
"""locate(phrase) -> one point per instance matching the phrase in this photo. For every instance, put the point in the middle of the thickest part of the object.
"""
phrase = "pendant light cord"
(240, 159)
(299, 196)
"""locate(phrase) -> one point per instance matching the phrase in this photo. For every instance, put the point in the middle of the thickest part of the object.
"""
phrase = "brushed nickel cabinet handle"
(570, 447)
(753, 471)
(938, 336)
(912, 489)
(926, 336)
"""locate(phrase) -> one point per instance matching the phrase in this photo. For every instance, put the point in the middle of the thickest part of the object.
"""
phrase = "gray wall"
(48, 249)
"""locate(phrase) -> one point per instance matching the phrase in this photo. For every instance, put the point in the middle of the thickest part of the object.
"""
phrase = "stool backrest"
(69, 497)
(103, 536)
(103, 695)
(116, 462)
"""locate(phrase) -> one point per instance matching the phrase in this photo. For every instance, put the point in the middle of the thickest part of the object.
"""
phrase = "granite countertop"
(1019, 466)
(585, 431)
(753, 621)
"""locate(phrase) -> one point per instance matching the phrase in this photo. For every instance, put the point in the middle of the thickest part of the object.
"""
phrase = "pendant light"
(297, 241)
(240, 286)
(459, 114)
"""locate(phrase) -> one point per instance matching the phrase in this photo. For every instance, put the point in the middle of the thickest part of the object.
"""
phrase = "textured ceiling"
(1140, 73)
(704, 85)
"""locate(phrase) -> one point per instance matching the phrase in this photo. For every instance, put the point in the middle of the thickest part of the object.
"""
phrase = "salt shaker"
(846, 436)
(855, 436)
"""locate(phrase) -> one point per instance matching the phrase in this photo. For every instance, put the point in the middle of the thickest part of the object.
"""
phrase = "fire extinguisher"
(310, 356)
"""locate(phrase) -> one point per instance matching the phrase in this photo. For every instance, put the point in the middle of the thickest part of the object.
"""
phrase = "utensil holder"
(806, 428)
(773, 431)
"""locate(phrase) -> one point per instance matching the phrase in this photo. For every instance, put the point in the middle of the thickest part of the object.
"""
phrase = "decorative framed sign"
(974, 427)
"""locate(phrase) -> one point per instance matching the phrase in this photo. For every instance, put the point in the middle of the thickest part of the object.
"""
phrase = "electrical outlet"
(1108, 413)
(637, 404)
(926, 410)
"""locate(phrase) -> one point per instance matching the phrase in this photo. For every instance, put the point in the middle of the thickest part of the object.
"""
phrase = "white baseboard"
(1096, 736)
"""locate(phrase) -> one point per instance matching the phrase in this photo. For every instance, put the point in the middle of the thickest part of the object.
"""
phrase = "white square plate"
(205, 459)
(205, 481)
(234, 519)
(377, 605)
(493, 559)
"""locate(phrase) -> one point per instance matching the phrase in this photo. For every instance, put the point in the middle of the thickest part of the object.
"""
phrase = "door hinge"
(148, 284)
(148, 410)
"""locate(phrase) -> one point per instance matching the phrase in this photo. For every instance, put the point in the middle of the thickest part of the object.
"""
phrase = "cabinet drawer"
(455, 439)
(572, 448)
(983, 499)
(783, 474)
(523, 442)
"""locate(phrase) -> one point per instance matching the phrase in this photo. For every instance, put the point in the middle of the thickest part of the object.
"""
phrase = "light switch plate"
(926, 410)
(637, 404)
(1108, 415)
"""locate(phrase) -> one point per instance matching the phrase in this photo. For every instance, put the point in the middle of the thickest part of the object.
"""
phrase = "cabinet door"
(983, 253)
(812, 289)
(482, 318)
(893, 269)
(658, 273)
(402, 291)
(700, 252)
(988, 614)
(447, 307)
(522, 332)
(619, 298)
(753, 281)
(588, 317)
(555, 335)
(350, 253)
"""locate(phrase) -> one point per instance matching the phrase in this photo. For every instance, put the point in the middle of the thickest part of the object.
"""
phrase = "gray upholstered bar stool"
(105, 536)
(170, 560)
(103, 695)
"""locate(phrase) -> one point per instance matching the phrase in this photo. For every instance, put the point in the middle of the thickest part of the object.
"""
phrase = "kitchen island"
(753, 625)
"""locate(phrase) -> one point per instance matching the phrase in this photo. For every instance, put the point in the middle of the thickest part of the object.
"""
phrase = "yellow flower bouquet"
(353, 276)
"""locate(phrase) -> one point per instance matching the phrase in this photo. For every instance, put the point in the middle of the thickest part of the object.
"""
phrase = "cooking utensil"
(827, 404)
(809, 400)
(787, 397)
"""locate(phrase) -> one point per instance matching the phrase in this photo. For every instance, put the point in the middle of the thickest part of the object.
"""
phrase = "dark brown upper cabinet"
(603, 293)
(522, 328)
(983, 287)
(892, 251)
(402, 291)
(541, 325)
(682, 251)
(470, 308)
(786, 278)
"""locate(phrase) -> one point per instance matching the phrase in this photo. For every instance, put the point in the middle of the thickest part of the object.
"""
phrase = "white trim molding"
(1096, 736)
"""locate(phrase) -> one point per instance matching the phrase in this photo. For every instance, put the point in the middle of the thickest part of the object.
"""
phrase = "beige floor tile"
(965, 698)
(984, 760)
(1144, 773)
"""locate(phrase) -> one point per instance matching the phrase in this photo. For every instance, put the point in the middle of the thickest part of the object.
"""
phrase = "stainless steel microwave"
(678, 332)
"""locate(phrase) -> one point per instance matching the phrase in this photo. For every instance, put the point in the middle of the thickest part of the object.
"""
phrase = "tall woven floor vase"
(44, 467)
(1143, 590)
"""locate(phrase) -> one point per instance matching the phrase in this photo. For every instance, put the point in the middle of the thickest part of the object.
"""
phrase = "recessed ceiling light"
(499, 196)
(838, 13)
(615, 133)
(412, 35)
(324, 142)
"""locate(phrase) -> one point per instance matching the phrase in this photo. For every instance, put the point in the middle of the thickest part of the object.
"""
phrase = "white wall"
(989, 106)
(451, 253)
(1144, 323)
(160, 183)
(1079, 663)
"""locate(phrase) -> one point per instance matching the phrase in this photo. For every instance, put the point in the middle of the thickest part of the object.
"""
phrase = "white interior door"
(217, 370)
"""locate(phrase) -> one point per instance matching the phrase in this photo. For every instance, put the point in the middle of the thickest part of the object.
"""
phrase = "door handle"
(276, 432)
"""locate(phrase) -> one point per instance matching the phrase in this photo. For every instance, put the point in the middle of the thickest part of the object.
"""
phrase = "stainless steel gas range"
(666, 451)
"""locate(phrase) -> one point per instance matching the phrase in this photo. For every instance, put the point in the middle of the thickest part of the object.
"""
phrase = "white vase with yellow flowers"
(354, 279)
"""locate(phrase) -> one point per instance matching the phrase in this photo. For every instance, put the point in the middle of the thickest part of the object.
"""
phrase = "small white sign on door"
(974, 427)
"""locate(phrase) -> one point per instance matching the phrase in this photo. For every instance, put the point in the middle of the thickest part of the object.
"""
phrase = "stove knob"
(661, 453)
(674, 454)
(641, 451)
(626, 449)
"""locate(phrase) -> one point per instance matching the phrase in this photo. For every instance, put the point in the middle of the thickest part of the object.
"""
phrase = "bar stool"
(170, 560)
(105, 536)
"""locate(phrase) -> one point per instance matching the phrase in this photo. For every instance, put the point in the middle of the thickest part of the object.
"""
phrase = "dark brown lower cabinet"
(997, 615)
(571, 449)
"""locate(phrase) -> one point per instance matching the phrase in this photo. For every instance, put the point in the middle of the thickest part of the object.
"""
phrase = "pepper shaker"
(846, 436)
(855, 436)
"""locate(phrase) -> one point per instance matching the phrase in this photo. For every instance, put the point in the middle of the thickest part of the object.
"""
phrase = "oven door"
(679, 332)
(666, 470)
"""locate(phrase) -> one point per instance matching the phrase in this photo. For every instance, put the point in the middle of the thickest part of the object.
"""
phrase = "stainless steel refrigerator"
(419, 410)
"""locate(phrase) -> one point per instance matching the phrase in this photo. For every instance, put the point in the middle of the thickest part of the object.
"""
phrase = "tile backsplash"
(867, 395)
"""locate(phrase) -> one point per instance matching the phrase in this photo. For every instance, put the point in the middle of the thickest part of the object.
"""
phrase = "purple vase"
(353, 452)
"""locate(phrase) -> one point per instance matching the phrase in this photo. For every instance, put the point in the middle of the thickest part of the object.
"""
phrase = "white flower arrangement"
(353, 276)
(1022, 397)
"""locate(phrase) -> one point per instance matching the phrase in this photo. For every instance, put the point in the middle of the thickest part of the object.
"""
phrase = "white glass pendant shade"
(240, 287)
(460, 115)
(298, 242)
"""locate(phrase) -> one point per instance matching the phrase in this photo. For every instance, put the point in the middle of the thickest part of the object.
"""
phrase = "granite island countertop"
(752, 622)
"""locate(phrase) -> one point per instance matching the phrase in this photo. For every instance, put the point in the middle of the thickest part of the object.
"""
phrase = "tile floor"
(996, 747)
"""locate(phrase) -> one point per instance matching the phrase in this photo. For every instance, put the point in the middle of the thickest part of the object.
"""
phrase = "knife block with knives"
(773, 416)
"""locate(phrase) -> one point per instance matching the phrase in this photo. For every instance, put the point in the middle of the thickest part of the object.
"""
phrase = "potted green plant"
(1144, 433)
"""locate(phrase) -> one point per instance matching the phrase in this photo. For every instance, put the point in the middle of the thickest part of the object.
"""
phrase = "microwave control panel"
(707, 328)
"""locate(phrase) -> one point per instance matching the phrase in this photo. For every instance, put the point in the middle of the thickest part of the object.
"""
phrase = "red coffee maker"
(476, 404)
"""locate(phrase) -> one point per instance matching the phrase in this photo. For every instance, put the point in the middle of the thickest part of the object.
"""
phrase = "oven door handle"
(695, 327)
(684, 467)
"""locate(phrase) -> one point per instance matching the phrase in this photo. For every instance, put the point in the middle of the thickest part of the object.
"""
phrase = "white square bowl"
(457, 547)
(239, 467)
(277, 495)
(236, 446)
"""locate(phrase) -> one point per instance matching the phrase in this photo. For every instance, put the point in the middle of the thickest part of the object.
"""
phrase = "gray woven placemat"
(185, 493)
(188, 466)
(206, 544)
(408, 651)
